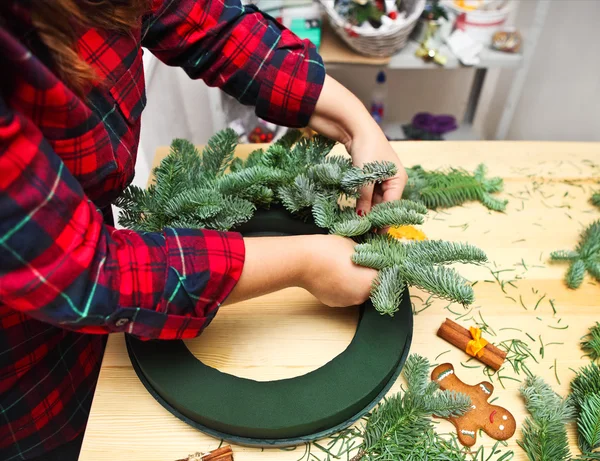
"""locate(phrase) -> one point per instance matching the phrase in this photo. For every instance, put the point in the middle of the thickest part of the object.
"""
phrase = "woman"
(71, 96)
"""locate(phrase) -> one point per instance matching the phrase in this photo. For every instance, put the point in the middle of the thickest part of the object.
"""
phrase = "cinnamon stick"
(220, 454)
(467, 333)
(459, 340)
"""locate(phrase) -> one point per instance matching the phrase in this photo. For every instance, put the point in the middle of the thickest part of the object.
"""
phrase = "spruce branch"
(564, 255)
(416, 373)
(443, 282)
(596, 199)
(394, 217)
(387, 291)
(351, 227)
(575, 274)
(585, 257)
(585, 395)
(290, 138)
(446, 403)
(452, 187)
(588, 423)
(218, 153)
(327, 174)
(442, 252)
(591, 342)
(370, 173)
(325, 210)
(544, 434)
(400, 427)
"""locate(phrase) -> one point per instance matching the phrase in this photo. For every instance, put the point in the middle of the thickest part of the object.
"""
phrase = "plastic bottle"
(378, 98)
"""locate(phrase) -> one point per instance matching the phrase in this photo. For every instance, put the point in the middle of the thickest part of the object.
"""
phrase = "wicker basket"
(375, 42)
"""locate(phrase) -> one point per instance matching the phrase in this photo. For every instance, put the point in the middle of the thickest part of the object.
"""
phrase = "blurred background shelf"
(335, 52)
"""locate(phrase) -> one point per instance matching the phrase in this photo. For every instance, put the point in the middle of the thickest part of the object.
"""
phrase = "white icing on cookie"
(465, 432)
(485, 389)
(473, 407)
(505, 417)
(501, 427)
(445, 374)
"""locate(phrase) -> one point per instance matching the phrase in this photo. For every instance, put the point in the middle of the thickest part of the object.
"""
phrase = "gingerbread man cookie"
(497, 422)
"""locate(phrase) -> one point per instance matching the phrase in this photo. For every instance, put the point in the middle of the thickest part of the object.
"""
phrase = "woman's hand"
(339, 115)
(332, 277)
(321, 264)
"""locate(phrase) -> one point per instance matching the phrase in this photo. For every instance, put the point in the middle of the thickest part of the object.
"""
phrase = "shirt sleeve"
(60, 264)
(244, 52)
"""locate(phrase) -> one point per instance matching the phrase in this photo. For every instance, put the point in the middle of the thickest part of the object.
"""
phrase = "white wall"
(177, 107)
(561, 97)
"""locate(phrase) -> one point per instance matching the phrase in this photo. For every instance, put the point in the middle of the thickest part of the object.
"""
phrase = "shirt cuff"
(292, 83)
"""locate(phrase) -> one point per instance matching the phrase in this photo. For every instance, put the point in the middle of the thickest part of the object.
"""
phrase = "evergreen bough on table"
(401, 427)
(453, 187)
(544, 433)
(585, 257)
(596, 199)
(214, 190)
(591, 342)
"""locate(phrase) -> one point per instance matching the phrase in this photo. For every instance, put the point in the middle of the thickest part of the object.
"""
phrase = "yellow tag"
(407, 232)
(476, 345)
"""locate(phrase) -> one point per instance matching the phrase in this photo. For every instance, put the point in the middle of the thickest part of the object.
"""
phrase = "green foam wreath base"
(282, 412)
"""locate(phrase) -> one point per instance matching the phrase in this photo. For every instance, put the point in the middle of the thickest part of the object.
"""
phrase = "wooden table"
(548, 185)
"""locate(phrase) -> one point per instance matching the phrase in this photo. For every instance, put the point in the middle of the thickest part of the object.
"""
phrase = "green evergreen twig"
(585, 258)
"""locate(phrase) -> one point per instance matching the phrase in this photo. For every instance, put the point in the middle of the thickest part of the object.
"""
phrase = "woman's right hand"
(321, 264)
(332, 277)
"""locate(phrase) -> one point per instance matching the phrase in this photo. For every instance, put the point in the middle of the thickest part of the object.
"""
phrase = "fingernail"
(360, 212)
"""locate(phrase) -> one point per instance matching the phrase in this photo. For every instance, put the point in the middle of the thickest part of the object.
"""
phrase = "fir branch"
(302, 193)
(235, 211)
(290, 138)
(400, 427)
(325, 210)
(373, 172)
(593, 268)
(544, 435)
(444, 189)
(236, 165)
(591, 342)
(595, 199)
(586, 382)
(274, 156)
(254, 158)
(588, 423)
(236, 183)
(493, 203)
(442, 282)
(446, 404)
(416, 373)
(371, 259)
(575, 274)
(200, 203)
(393, 216)
(441, 252)
(351, 227)
(387, 291)
(585, 394)
(564, 255)
(327, 174)
(218, 153)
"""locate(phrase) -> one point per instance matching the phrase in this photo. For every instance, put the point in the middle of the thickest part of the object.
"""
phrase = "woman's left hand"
(371, 147)
(339, 115)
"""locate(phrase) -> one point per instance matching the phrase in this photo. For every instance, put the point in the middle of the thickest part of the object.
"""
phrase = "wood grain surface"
(289, 333)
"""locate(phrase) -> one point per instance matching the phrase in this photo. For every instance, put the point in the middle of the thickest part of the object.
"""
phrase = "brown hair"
(54, 21)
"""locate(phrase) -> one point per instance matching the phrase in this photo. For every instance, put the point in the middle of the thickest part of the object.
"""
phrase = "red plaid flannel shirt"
(64, 273)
